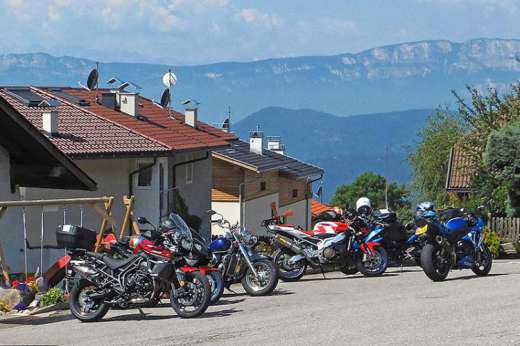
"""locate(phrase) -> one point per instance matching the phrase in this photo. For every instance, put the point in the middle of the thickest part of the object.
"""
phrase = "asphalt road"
(400, 308)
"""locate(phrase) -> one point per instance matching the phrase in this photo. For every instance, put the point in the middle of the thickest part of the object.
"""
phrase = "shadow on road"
(220, 313)
(229, 302)
(476, 277)
(349, 277)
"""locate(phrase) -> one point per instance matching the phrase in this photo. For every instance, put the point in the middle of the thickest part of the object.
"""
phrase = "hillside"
(396, 77)
(344, 146)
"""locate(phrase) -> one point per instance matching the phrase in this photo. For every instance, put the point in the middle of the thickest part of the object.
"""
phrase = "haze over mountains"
(302, 98)
(396, 77)
(344, 146)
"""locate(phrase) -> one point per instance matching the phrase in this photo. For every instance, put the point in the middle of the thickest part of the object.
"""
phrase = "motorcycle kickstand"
(322, 272)
(141, 312)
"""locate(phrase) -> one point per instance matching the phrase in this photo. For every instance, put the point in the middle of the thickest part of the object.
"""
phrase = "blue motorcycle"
(455, 240)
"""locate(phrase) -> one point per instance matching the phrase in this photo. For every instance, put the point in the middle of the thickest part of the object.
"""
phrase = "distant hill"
(344, 146)
(396, 77)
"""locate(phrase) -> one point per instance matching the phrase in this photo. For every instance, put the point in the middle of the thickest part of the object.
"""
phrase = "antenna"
(169, 79)
(386, 179)
(92, 79)
(228, 119)
(165, 98)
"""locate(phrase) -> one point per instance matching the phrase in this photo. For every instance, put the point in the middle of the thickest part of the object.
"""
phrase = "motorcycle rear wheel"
(78, 299)
(285, 272)
(435, 267)
(374, 266)
(193, 299)
(267, 281)
(483, 269)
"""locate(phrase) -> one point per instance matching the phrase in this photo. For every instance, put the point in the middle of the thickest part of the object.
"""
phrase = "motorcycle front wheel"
(84, 308)
(217, 286)
(349, 270)
(485, 263)
(434, 265)
(373, 265)
(266, 280)
(193, 298)
(286, 271)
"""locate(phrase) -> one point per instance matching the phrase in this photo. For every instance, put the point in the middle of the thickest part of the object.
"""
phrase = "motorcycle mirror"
(142, 220)
(211, 212)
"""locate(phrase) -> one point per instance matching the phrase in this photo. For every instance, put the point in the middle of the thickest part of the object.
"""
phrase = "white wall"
(230, 211)
(301, 213)
(257, 210)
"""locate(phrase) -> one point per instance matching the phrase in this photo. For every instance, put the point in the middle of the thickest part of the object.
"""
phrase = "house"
(28, 159)
(129, 145)
(459, 175)
(248, 179)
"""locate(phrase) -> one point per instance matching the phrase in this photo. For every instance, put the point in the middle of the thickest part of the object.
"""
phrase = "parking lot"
(401, 308)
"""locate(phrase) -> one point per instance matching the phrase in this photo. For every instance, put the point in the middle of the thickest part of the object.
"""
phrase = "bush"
(52, 296)
(492, 240)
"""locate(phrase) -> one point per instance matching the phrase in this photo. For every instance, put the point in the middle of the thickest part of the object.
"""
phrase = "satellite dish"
(92, 79)
(169, 79)
(225, 125)
(517, 57)
(165, 98)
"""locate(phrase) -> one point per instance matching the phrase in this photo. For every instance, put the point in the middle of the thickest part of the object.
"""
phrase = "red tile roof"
(318, 208)
(82, 133)
(157, 125)
(460, 172)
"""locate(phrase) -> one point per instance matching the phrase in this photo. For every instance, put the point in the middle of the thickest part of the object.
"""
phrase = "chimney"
(256, 141)
(129, 103)
(50, 122)
(109, 100)
(190, 117)
(274, 143)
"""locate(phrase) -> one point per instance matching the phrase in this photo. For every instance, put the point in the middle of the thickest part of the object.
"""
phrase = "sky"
(190, 32)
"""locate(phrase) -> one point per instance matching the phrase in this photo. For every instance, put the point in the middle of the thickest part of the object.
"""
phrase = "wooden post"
(106, 216)
(129, 216)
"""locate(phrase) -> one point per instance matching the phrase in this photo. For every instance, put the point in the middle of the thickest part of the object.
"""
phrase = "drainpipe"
(174, 167)
(309, 183)
(131, 176)
(241, 194)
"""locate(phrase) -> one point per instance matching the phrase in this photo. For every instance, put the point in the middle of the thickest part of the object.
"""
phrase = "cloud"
(257, 17)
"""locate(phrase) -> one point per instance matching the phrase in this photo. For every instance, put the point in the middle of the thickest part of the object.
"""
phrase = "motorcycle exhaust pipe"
(288, 243)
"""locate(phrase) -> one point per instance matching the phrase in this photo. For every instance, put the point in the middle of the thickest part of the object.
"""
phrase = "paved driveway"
(400, 308)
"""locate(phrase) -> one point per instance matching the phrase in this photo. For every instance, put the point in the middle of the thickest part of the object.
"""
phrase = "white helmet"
(364, 206)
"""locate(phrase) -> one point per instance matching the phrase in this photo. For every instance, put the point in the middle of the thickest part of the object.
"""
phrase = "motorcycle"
(348, 244)
(454, 241)
(238, 262)
(400, 241)
(135, 281)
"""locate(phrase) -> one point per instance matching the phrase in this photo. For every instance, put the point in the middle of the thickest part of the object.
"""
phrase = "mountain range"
(395, 77)
(343, 146)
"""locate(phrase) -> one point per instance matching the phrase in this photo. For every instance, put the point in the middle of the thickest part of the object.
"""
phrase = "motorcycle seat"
(324, 235)
(114, 264)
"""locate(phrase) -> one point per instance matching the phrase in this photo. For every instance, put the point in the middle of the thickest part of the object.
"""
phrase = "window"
(263, 186)
(144, 179)
(295, 193)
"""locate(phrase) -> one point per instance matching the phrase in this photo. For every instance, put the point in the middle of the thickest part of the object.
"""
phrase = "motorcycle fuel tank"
(457, 224)
(220, 245)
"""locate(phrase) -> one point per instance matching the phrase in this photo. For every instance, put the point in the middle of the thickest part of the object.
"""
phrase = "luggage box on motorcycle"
(75, 237)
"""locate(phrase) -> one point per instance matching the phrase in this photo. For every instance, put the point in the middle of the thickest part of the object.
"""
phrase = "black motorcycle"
(137, 280)
(401, 243)
(239, 263)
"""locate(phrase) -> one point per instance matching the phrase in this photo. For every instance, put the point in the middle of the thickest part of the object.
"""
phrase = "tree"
(430, 160)
(502, 158)
(370, 185)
